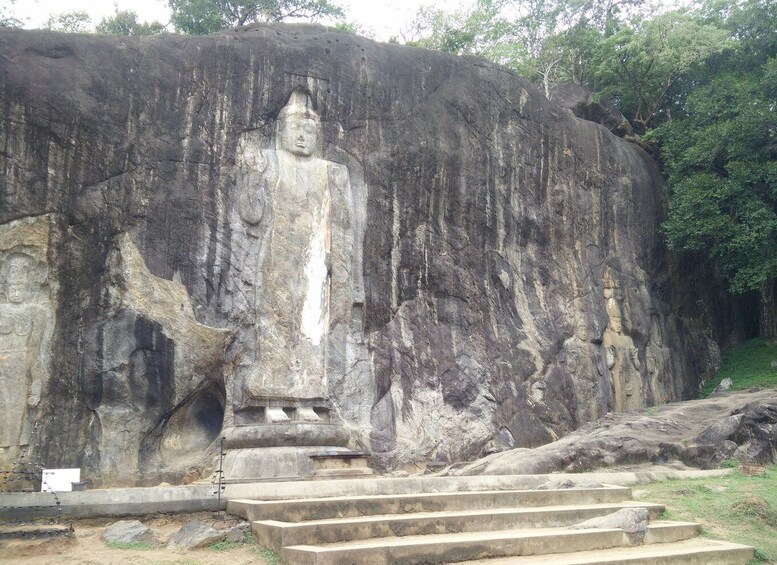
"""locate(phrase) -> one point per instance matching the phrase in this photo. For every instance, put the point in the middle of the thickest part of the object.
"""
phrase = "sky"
(383, 18)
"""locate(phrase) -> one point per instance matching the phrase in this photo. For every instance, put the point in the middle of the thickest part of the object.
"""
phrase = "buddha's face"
(299, 135)
(16, 293)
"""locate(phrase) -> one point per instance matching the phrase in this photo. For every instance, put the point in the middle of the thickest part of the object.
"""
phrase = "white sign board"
(59, 480)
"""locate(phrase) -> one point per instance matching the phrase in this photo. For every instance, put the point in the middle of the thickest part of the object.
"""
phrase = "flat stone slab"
(688, 552)
(278, 535)
(34, 531)
(298, 510)
(451, 548)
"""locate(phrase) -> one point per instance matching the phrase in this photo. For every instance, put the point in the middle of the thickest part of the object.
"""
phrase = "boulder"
(580, 101)
(193, 535)
(130, 532)
(724, 385)
(238, 533)
(697, 433)
(630, 520)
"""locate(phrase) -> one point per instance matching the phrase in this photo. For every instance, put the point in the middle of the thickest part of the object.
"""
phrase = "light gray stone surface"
(724, 385)
(193, 535)
(238, 533)
(130, 531)
(27, 304)
(700, 433)
(630, 520)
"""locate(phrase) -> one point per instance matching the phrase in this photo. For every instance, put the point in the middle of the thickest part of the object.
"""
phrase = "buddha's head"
(299, 127)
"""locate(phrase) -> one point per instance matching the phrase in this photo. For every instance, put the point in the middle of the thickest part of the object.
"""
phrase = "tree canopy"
(125, 22)
(6, 19)
(201, 17)
(700, 84)
(720, 152)
(76, 21)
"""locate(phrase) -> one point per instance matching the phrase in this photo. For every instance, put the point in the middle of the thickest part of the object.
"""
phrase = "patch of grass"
(749, 365)
(729, 464)
(737, 508)
(224, 545)
(134, 545)
(269, 556)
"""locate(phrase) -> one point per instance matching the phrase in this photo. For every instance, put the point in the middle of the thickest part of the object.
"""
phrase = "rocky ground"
(697, 433)
(87, 545)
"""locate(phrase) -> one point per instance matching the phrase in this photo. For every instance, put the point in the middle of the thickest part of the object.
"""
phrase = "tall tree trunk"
(767, 311)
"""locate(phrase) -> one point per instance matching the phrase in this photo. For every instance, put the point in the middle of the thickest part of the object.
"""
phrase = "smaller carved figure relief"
(613, 307)
(23, 333)
(622, 355)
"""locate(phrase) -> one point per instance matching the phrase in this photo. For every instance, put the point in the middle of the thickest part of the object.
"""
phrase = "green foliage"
(639, 66)
(720, 152)
(748, 365)
(224, 545)
(737, 507)
(133, 545)
(76, 21)
(199, 17)
(729, 464)
(125, 22)
(355, 28)
(6, 19)
(461, 32)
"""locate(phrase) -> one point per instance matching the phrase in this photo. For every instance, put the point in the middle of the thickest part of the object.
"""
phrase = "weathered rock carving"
(22, 329)
(298, 226)
(291, 187)
(421, 256)
(25, 330)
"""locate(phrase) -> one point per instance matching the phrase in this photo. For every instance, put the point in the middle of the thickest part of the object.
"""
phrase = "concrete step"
(695, 551)
(277, 535)
(452, 548)
(299, 510)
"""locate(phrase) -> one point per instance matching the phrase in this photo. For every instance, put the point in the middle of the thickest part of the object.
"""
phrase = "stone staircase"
(497, 526)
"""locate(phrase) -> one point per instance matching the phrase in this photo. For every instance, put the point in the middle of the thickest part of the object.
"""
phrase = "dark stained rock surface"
(514, 282)
(580, 101)
(699, 433)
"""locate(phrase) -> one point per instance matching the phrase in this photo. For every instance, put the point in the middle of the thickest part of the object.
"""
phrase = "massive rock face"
(501, 279)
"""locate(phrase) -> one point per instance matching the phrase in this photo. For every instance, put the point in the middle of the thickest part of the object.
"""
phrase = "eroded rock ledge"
(700, 433)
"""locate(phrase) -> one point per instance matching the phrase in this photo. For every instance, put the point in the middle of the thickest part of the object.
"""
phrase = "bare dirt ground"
(86, 546)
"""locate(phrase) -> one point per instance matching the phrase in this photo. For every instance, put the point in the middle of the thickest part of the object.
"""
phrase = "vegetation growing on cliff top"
(700, 83)
(209, 16)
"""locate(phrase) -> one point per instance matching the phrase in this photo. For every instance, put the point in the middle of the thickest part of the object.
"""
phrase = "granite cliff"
(496, 274)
